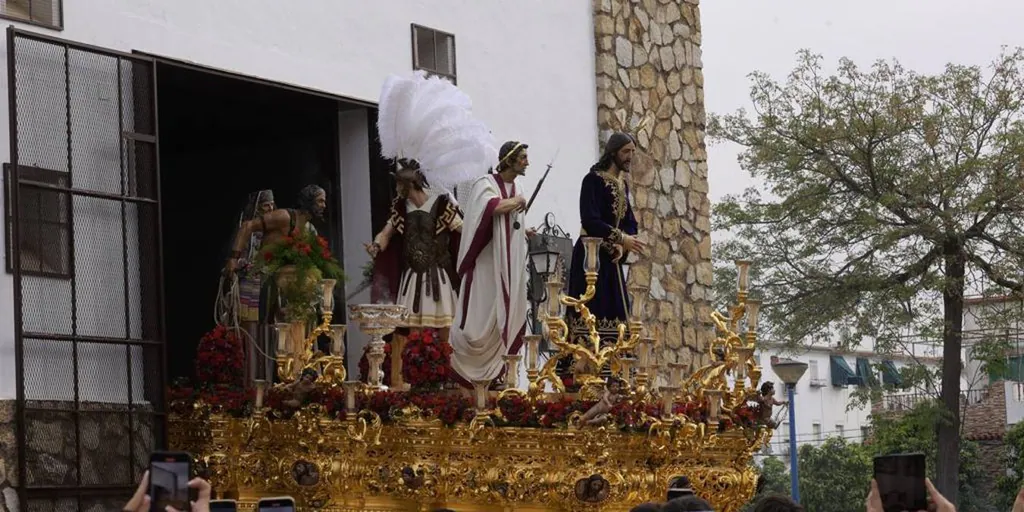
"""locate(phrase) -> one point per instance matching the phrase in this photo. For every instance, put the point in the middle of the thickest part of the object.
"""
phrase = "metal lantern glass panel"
(544, 257)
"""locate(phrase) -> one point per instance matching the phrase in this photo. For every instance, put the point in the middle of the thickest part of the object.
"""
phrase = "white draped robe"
(490, 315)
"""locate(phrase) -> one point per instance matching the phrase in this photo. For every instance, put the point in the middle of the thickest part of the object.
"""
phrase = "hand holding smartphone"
(901, 482)
(169, 474)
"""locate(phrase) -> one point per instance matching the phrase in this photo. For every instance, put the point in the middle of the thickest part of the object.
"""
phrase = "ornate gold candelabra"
(378, 320)
(589, 357)
(297, 350)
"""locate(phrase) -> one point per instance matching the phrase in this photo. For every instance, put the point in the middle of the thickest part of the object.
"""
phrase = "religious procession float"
(412, 433)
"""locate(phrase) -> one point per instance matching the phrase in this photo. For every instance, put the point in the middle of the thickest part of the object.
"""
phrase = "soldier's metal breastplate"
(424, 248)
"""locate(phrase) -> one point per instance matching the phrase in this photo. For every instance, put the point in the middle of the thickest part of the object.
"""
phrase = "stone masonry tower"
(649, 65)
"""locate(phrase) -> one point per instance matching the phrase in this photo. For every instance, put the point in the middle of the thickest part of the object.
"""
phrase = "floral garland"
(426, 360)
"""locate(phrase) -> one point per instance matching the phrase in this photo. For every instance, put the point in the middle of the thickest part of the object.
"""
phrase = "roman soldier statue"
(426, 126)
(414, 255)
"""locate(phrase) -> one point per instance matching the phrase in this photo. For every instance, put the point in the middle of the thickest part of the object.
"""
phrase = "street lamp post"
(790, 372)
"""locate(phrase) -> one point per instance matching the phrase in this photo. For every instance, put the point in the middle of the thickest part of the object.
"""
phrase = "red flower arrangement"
(448, 408)
(305, 251)
(219, 359)
(364, 365)
(425, 360)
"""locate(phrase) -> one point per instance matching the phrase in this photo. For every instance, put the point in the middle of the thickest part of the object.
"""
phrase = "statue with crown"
(425, 427)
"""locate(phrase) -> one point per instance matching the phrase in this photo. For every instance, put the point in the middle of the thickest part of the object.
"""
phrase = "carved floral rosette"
(363, 464)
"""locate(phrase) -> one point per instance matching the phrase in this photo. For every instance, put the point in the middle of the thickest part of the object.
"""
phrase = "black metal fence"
(84, 250)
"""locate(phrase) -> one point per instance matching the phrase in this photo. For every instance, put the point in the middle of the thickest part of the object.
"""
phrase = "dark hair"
(409, 171)
(307, 197)
(616, 142)
(647, 507)
(508, 151)
(777, 503)
(766, 386)
(689, 503)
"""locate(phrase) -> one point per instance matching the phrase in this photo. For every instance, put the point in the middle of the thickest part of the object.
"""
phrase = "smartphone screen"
(276, 505)
(900, 481)
(169, 474)
(223, 506)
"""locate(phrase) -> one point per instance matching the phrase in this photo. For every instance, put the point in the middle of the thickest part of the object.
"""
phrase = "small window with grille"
(44, 219)
(45, 13)
(433, 51)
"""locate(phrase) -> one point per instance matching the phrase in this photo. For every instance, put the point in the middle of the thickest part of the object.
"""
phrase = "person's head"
(309, 376)
(313, 200)
(408, 177)
(768, 388)
(777, 503)
(513, 158)
(618, 153)
(646, 507)
(595, 484)
(689, 503)
(679, 487)
(265, 202)
(614, 385)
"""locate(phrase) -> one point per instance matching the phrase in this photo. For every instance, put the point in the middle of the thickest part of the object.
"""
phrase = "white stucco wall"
(528, 65)
(818, 402)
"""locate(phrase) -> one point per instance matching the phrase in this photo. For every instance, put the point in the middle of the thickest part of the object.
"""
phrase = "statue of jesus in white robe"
(490, 314)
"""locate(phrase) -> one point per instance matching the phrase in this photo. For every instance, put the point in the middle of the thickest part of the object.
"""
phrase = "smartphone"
(169, 473)
(223, 506)
(282, 504)
(900, 481)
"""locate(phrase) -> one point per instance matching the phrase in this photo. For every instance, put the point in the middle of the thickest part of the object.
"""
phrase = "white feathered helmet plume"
(431, 121)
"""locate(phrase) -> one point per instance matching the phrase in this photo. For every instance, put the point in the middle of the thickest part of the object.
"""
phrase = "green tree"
(776, 480)
(834, 476)
(1009, 484)
(887, 195)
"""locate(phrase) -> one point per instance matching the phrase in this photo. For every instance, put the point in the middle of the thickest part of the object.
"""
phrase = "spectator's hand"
(938, 501)
(1018, 504)
(874, 501)
(202, 504)
(139, 502)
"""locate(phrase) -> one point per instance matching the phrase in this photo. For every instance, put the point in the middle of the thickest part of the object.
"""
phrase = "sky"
(741, 36)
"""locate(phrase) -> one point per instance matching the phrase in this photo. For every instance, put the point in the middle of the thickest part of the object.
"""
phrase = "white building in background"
(529, 70)
(823, 396)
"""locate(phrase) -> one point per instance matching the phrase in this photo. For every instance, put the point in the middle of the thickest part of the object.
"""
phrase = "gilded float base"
(363, 465)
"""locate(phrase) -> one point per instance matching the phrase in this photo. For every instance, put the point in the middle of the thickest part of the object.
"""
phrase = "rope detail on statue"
(225, 312)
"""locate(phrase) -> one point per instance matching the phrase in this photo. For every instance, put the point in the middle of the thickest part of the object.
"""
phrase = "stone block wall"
(114, 446)
(649, 67)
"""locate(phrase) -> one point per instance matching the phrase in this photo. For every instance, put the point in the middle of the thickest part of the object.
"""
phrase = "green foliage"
(887, 196)
(1009, 484)
(835, 476)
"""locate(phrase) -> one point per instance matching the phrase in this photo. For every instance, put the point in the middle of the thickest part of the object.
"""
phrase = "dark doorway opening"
(223, 138)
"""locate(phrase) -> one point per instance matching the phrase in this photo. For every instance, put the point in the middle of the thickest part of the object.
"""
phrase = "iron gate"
(84, 248)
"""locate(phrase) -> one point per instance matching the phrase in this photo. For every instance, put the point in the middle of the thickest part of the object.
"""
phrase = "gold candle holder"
(753, 308)
(714, 398)
(261, 388)
(668, 399)
(284, 347)
(638, 295)
(554, 303)
(327, 294)
(743, 275)
(480, 396)
(512, 370)
(338, 340)
(592, 248)
(351, 387)
(675, 374)
(743, 355)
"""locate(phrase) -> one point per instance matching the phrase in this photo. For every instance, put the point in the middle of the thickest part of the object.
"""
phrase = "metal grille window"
(433, 51)
(45, 218)
(46, 13)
